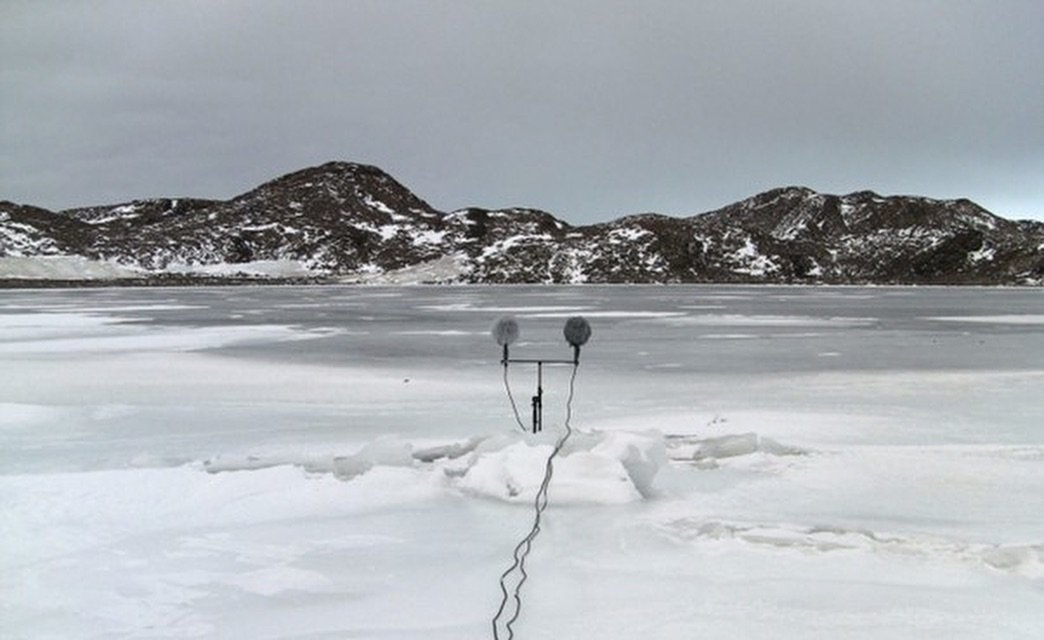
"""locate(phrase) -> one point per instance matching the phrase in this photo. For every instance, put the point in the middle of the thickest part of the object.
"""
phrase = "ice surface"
(298, 462)
(996, 319)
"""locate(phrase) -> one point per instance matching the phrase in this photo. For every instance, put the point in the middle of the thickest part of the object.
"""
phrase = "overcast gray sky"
(589, 109)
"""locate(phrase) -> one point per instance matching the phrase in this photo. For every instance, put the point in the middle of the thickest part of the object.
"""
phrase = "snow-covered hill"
(352, 222)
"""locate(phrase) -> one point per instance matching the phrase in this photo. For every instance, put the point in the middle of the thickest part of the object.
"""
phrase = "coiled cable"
(525, 546)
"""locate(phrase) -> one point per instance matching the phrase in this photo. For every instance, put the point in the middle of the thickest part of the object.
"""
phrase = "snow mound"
(598, 467)
(384, 452)
(706, 452)
(593, 468)
(1026, 560)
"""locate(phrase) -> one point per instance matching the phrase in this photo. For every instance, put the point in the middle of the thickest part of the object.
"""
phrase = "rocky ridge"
(348, 222)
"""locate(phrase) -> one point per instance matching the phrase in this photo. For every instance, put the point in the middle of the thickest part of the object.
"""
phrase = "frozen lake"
(342, 462)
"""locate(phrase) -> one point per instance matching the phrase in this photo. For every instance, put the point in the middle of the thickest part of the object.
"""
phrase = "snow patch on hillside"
(62, 268)
(374, 203)
(984, 254)
(260, 268)
(752, 261)
(627, 235)
(445, 269)
(17, 239)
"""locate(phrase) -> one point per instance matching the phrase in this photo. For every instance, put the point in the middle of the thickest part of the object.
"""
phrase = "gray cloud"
(589, 109)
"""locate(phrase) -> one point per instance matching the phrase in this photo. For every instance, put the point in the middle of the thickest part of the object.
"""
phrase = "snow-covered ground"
(342, 462)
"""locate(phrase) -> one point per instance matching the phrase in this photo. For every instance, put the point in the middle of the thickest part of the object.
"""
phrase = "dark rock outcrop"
(347, 221)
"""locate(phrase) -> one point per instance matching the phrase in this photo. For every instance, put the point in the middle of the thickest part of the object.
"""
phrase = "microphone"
(505, 332)
(577, 332)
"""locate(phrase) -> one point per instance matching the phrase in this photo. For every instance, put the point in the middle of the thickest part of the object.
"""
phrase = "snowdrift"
(593, 468)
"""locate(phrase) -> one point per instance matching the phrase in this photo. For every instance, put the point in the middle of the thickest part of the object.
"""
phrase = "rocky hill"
(351, 222)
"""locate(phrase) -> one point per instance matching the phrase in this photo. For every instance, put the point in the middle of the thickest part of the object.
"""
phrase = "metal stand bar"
(538, 417)
(538, 399)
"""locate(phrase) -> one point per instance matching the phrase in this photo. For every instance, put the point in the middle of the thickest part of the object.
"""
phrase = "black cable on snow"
(514, 407)
(525, 546)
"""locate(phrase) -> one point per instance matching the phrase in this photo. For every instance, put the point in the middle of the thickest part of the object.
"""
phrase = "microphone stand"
(538, 399)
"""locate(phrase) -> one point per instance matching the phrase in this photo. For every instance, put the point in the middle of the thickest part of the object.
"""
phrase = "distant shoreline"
(174, 281)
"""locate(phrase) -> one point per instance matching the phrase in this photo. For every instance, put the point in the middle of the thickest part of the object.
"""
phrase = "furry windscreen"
(505, 331)
(577, 331)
